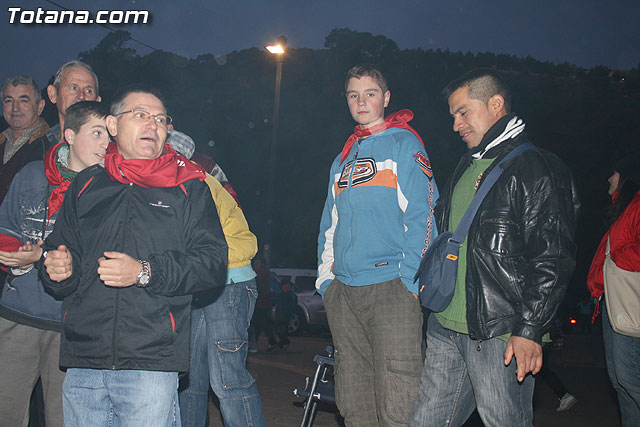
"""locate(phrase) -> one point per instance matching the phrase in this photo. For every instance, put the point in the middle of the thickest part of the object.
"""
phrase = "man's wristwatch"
(145, 274)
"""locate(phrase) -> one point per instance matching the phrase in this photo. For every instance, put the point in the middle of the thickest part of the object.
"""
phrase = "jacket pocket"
(499, 233)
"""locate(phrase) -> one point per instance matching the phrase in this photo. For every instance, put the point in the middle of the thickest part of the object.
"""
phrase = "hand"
(528, 356)
(59, 264)
(118, 270)
(24, 257)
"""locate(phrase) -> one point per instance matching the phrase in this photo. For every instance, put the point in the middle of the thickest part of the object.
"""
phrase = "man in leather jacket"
(513, 269)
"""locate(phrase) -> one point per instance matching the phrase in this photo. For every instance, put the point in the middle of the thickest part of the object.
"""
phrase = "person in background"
(74, 81)
(31, 319)
(623, 235)
(584, 312)
(262, 320)
(219, 321)
(22, 105)
(286, 307)
(566, 399)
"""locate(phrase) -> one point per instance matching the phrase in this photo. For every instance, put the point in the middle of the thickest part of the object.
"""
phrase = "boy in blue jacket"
(376, 223)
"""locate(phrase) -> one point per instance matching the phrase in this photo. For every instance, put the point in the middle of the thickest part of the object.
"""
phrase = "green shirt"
(454, 317)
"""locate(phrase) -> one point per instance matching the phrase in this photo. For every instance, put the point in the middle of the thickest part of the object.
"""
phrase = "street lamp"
(278, 51)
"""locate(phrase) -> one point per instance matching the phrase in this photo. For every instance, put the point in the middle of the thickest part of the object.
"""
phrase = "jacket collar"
(40, 131)
(506, 128)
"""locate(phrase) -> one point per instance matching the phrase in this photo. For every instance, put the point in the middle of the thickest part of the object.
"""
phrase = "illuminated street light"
(278, 51)
(275, 48)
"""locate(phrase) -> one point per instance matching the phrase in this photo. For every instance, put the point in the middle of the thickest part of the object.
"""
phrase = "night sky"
(582, 32)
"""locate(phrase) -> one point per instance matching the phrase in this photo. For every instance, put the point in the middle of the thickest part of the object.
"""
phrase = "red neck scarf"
(398, 119)
(169, 170)
(614, 196)
(55, 179)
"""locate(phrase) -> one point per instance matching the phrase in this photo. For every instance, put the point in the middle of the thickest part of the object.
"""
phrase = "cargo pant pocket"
(400, 390)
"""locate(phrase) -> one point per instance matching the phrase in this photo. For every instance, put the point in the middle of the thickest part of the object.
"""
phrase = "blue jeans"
(623, 364)
(461, 374)
(104, 397)
(218, 357)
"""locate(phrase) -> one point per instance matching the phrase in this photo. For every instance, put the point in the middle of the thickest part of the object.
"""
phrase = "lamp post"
(278, 51)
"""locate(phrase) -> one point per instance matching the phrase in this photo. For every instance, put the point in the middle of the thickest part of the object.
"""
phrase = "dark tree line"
(586, 116)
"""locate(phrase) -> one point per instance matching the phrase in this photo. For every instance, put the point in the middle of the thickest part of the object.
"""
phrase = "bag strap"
(464, 225)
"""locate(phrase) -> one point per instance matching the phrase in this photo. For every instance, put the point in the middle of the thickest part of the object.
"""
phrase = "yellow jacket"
(243, 244)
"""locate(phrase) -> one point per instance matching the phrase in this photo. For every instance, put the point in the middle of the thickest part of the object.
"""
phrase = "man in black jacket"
(513, 269)
(132, 242)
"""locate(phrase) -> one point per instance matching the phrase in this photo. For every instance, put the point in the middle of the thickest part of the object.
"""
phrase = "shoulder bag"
(439, 266)
(622, 296)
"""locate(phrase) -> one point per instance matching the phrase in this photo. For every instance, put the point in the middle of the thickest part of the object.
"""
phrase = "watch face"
(144, 279)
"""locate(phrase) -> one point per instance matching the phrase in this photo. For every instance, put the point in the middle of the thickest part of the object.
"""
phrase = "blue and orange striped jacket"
(378, 217)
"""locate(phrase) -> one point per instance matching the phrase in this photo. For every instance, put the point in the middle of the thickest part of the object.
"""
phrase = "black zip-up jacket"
(176, 229)
(520, 253)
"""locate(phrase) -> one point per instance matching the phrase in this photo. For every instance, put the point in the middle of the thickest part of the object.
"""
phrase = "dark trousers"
(550, 377)
(262, 322)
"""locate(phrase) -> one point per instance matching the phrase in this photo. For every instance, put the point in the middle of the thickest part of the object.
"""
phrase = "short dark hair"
(369, 70)
(117, 103)
(22, 80)
(78, 114)
(483, 83)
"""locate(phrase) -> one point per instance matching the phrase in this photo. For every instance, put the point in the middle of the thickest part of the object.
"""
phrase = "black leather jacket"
(520, 253)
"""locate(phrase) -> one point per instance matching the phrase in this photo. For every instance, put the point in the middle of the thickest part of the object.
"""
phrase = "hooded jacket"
(378, 215)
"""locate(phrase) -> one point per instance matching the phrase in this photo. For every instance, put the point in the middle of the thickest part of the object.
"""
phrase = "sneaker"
(567, 402)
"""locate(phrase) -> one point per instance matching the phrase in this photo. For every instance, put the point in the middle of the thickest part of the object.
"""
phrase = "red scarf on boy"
(398, 119)
(55, 179)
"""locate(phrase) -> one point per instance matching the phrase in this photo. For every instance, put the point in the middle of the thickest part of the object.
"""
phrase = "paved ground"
(580, 365)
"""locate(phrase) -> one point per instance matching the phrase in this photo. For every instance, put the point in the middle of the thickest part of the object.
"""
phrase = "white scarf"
(513, 129)
(12, 146)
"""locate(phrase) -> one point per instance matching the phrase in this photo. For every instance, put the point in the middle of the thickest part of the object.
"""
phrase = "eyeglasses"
(142, 115)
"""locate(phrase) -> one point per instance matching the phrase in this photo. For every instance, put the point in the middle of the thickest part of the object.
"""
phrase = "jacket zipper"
(350, 181)
(115, 316)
